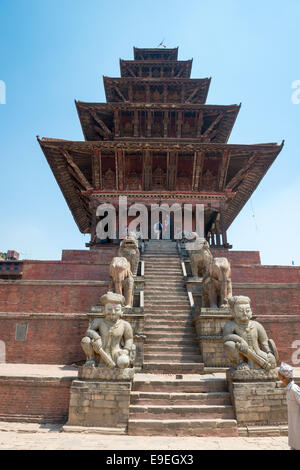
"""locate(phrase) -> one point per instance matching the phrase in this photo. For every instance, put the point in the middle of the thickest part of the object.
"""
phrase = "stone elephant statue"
(121, 279)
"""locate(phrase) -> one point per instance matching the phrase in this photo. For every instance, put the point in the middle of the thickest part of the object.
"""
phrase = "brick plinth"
(258, 402)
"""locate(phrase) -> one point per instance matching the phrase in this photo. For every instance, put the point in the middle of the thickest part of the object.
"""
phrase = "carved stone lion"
(200, 255)
(121, 279)
(129, 249)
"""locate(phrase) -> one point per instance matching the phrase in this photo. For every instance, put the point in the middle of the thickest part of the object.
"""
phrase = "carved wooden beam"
(80, 176)
(147, 170)
(96, 169)
(172, 159)
(101, 123)
(120, 93)
(128, 67)
(189, 99)
(100, 132)
(199, 123)
(198, 167)
(213, 124)
(223, 170)
(237, 179)
(149, 123)
(120, 167)
(183, 90)
(117, 122)
(165, 93)
(166, 123)
(136, 123)
(148, 93)
(179, 124)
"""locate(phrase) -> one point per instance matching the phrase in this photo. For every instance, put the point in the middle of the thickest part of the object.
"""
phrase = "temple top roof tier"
(155, 54)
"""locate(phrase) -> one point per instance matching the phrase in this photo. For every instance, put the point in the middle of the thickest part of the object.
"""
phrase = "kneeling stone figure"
(109, 340)
(245, 341)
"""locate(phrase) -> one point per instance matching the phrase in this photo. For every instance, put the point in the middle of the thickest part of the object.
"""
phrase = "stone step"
(156, 315)
(171, 349)
(168, 270)
(182, 330)
(170, 323)
(183, 427)
(177, 398)
(181, 411)
(181, 357)
(161, 306)
(171, 335)
(172, 385)
(171, 302)
(174, 367)
(172, 342)
(159, 289)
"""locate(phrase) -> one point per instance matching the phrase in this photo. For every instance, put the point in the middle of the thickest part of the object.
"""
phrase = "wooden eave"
(190, 84)
(185, 66)
(105, 113)
(246, 166)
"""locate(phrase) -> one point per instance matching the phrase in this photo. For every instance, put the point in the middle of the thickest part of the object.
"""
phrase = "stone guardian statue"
(246, 342)
(108, 341)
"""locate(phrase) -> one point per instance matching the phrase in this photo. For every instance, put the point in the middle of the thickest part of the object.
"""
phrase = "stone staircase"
(171, 397)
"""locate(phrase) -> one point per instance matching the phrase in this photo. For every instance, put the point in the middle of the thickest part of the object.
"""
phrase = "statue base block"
(105, 373)
(101, 399)
(258, 397)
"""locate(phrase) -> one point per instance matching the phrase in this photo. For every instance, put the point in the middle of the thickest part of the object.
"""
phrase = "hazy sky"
(55, 51)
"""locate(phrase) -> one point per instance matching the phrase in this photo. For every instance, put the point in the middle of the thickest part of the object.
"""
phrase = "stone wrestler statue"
(245, 341)
(109, 340)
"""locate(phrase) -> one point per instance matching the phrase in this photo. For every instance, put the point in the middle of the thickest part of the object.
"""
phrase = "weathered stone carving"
(215, 273)
(121, 279)
(129, 249)
(245, 341)
(200, 255)
(216, 284)
(108, 341)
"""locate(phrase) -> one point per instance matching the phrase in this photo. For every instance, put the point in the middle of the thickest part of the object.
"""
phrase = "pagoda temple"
(156, 140)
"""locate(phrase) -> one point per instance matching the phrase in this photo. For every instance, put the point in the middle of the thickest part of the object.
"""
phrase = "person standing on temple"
(285, 374)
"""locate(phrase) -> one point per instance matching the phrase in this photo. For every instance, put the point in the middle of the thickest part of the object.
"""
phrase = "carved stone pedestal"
(100, 398)
(209, 323)
(258, 397)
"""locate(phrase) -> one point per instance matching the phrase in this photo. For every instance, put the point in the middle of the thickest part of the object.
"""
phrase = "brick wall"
(271, 299)
(238, 257)
(273, 274)
(50, 339)
(34, 399)
(61, 270)
(47, 296)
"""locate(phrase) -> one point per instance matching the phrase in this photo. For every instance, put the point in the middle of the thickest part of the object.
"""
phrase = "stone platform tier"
(194, 405)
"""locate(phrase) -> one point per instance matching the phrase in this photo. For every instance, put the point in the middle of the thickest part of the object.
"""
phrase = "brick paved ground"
(17, 436)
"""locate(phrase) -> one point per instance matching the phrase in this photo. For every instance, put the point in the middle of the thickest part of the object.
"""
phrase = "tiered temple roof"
(156, 140)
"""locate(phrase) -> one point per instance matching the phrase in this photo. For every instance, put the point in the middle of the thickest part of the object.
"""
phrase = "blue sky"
(53, 52)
